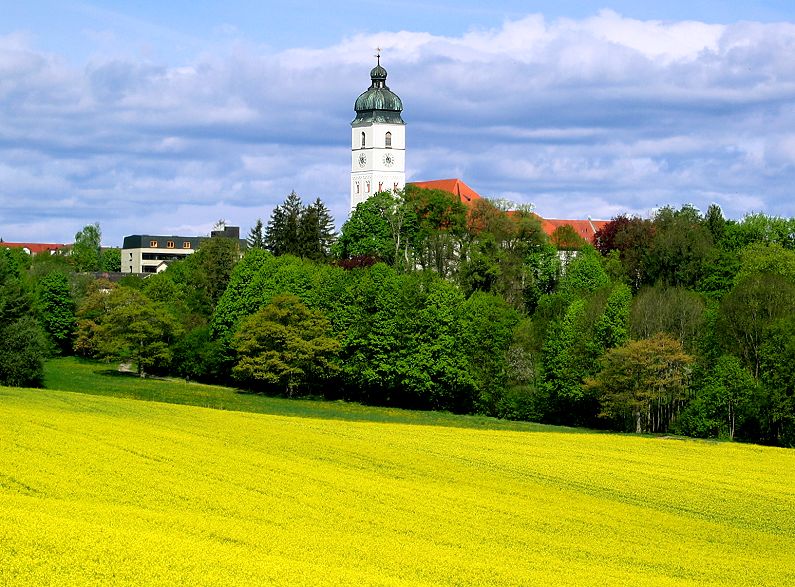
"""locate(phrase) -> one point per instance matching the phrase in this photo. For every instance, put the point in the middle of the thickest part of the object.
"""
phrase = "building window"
(395, 186)
(368, 187)
(186, 245)
(153, 244)
(362, 139)
(388, 140)
(357, 187)
(170, 244)
(380, 186)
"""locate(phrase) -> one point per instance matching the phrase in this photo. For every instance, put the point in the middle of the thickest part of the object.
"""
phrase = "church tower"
(378, 140)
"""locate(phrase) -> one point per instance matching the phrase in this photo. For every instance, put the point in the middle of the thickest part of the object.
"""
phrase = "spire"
(378, 103)
(378, 73)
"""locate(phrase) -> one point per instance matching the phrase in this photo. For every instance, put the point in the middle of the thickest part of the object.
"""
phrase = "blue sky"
(163, 117)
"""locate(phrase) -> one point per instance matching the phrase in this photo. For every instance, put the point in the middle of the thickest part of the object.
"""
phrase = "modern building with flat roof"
(146, 253)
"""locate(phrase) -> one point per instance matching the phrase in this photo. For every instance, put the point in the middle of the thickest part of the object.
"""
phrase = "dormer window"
(362, 139)
(388, 140)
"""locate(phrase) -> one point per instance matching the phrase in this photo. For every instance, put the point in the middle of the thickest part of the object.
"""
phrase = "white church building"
(378, 140)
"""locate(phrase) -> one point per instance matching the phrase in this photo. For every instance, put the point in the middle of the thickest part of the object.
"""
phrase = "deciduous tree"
(680, 247)
(487, 325)
(441, 226)
(22, 341)
(612, 328)
(56, 309)
(778, 383)
(368, 232)
(642, 385)
(285, 347)
(432, 368)
(675, 311)
(565, 238)
(110, 260)
(632, 237)
(584, 274)
(748, 312)
(86, 251)
(134, 328)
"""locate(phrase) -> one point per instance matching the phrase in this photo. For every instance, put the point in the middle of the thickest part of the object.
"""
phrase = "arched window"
(362, 139)
(388, 140)
(357, 187)
(380, 186)
(368, 187)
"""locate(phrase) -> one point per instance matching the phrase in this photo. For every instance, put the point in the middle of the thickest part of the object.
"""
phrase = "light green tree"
(560, 359)
(86, 251)
(612, 327)
(584, 274)
(110, 259)
(642, 385)
(375, 229)
(133, 328)
(285, 347)
(728, 390)
(771, 258)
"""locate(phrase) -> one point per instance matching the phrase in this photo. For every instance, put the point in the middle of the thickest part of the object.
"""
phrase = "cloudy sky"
(165, 117)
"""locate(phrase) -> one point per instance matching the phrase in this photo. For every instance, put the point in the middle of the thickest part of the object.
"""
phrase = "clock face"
(362, 160)
(389, 159)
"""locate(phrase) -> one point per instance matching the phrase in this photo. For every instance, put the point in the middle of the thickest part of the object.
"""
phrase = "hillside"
(108, 490)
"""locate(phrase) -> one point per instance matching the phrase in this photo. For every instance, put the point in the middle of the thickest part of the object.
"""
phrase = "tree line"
(682, 322)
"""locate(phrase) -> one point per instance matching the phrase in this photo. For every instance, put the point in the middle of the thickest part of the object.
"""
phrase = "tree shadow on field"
(318, 408)
(106, 379)
(128, 375)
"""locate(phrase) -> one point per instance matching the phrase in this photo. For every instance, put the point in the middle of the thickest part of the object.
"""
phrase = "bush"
(23, 348)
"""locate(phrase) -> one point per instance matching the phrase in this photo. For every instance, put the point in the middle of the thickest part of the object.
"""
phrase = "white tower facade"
(378, 141)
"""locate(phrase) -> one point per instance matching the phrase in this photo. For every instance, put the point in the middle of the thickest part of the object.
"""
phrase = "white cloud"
(583, 117)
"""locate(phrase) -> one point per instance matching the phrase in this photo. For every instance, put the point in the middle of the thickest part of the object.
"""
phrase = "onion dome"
(378, 103)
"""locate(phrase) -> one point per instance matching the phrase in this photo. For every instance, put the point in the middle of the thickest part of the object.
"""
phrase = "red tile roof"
(454, 186)
(585, 228)
(34, 248)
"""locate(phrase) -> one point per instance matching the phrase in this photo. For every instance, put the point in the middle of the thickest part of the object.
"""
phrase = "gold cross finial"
(378, 54)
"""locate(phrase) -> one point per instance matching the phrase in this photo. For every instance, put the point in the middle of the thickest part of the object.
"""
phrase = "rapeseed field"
(99, 490)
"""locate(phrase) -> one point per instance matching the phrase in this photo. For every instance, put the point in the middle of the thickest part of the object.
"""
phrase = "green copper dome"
(378, 72)
(378, 103)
